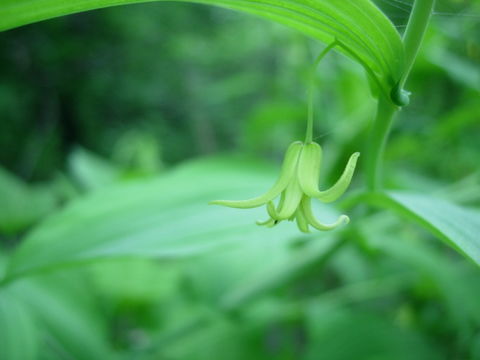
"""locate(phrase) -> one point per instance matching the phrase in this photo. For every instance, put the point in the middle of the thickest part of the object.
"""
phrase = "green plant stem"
(386, 110)
(309, 132)
(415, 32)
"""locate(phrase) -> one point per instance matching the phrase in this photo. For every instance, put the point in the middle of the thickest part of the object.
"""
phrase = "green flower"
(296, 185)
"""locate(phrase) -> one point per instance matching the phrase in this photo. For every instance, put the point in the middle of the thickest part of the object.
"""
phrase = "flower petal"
(292, 196)
(268, 223)
(309, 168)
(287, 173)
(271, 210)
(336, 190)
(307, 211)
(302, 222)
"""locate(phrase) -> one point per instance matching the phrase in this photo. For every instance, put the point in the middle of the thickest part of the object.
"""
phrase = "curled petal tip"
(268, 223)
(352, 161)
(345, 219)
(308, 213)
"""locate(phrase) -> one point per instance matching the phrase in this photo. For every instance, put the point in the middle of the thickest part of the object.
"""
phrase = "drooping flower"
(297, 185)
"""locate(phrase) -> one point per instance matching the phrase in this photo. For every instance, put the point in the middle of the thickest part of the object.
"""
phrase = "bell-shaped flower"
(296, 185)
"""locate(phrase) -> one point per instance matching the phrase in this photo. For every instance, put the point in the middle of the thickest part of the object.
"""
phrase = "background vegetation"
(119, 125)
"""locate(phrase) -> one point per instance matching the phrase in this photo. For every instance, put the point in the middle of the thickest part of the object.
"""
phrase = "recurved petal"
(286, 175)
(340, 186)
(307, 211)
(268, 223)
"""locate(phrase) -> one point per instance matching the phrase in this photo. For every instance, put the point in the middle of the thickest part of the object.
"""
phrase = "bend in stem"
(386, 110)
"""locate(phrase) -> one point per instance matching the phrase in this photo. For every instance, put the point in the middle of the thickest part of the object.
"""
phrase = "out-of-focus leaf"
(138, 152)
(21, 206)
(451, 284)
(458, 290)
(402, 179)
(340, 334)
(219, 336)
(70, 326)
(358, 24)
(18, 333)
(271, 123)
(91, 171)
(465, 191)
(134, 280)
(256, 268)
(457, 226)
(459, 69)
(165, 217)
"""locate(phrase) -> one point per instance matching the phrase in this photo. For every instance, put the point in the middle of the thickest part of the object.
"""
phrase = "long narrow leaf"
(167, 217)
(18, 332)
(457, 226)
(358, 25)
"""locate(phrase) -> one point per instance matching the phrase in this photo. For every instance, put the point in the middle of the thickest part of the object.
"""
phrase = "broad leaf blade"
(254, 268)
(165, 217)
(338, 333)
(71, 326)
(18, 332)
(21, 205)
(456, 225)
(91, 171)
(358, 24)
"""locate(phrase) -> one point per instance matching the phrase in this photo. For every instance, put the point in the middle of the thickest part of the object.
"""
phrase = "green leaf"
(432, 272)
(364, 31)
(457, 226)
(91, 171)
(252, 269)
(218, 336)
(337, 334)
(142, 280)
(456, 284)
(18, 333)
(21, 205)
(167, 217)
(71, 326)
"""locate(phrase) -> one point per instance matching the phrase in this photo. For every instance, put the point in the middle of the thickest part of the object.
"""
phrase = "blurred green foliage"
(112, 126)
